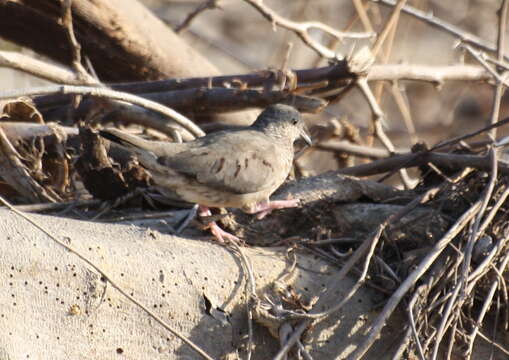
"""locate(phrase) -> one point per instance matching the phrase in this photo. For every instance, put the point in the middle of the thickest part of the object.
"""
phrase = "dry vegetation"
(408, 95)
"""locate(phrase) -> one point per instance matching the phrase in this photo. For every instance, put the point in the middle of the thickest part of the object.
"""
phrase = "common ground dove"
(238, 168)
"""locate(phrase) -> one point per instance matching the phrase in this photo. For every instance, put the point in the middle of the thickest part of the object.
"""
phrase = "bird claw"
(222, 236)
(262, 214)
(264, 209)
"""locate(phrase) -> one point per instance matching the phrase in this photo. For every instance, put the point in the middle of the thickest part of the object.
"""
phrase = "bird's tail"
(147, 152)
(126, 140)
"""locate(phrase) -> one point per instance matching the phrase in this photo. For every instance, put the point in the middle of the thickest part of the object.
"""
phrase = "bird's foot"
(221, 235)
(264, 208)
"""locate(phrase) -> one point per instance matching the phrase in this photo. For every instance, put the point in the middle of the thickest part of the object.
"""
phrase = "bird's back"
(242, 161)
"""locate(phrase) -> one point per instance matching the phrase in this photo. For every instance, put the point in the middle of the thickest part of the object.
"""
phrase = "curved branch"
(110, 94)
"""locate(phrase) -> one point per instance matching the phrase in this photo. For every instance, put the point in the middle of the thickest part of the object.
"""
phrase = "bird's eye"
(295, 121)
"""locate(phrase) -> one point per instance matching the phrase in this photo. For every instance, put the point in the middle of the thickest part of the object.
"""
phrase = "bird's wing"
(239, 162)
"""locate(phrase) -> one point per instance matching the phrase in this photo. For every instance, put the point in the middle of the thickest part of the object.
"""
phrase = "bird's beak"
(305, 135)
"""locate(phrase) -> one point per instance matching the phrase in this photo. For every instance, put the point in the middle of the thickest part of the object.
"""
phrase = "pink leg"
(265, 208)
(218, 233)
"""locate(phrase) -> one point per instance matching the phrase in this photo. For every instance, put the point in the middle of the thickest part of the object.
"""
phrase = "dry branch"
(38, 68)
(109, 94)
(110, 36)
(196, 102)
(302, 29)
(195, 91)
(205, 5)
(442, 25)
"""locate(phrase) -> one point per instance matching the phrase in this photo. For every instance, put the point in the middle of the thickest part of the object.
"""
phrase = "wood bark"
(122, 38)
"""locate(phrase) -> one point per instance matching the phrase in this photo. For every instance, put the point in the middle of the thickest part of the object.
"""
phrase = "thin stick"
(412, 325)
(378, 123)
(39, 68)
(493, 178)
(475, 232)
(477, 272)
(206, 5)
(369, 246)
(402, 101)
(302, 29)
(440, 24)
(411, 279)
(461, 290)
(495, 344)
(389, 26)
(363, 16)
(74, 44)
(372, 243)
(486, 305)
(481, 59)
(378, 114)
(40, 207)
(390, 72)
(403, 345)
(251, 297)
(446, 320)
(110, 94)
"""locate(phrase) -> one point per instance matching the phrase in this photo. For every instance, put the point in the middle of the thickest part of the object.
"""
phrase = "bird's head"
(282, 121)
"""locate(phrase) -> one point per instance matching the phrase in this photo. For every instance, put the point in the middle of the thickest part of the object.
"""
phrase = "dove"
(237, 168)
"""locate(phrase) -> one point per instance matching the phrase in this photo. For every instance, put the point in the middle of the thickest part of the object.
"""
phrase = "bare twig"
(475, 232)
(368, 246)
(389, 26)
(492, 342)
(481, 58)
(206, 5)
(39, 68)
(379, 323)
(378, 123)
(378, 114)
(302, 29)
(390, 32)
(448, 161)
(251, 297)
(414, 159)
(429, 18)
(363, 16)
(433, 74)
(483, 266)
(41, 207)
(403, 345)
(486, 305)
(404, 108)
(74, 44)
(285, 71)
(110, 94)
(412, 323)
(330, 74)
(356, 150)
(189, 217)
(460, 138)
